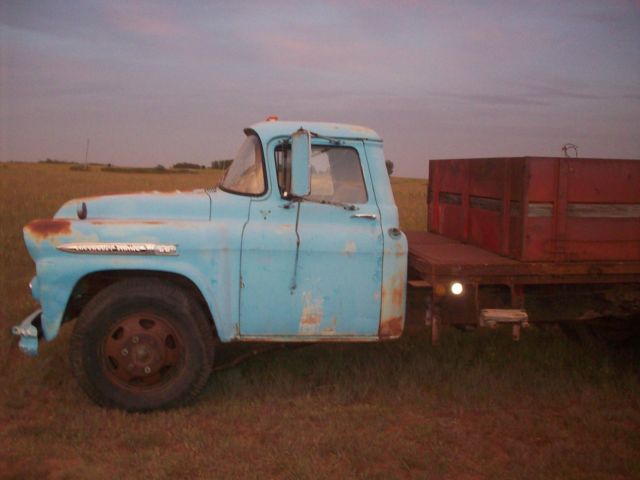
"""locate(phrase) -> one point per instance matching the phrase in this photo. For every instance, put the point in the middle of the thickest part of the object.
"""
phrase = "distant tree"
(158, 167)
(220, 164)
(194, 166)
(54, 160)
(389, 165)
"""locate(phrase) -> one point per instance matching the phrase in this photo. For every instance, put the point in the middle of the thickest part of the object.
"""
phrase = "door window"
(336, 174)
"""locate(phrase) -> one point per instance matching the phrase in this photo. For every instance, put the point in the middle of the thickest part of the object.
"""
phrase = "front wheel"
(142, 344)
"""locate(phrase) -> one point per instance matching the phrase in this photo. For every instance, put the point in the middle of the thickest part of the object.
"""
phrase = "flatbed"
(434, 258)
(496, 289)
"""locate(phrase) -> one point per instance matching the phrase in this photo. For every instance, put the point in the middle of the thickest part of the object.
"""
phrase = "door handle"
(370, 216)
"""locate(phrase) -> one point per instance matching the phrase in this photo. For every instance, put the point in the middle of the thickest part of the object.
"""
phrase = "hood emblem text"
(119, 248)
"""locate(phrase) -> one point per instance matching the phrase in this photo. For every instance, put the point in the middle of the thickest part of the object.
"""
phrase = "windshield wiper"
(346, 206)
(335, 141)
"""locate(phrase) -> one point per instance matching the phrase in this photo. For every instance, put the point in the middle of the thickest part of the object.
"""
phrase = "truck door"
(313, 268)
(340, 258)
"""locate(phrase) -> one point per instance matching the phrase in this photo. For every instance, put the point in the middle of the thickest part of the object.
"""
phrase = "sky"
(164, 82)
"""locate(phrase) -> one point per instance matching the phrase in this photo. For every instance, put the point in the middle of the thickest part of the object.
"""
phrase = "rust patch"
(310, 318)
(312, 313)
(391, 327)
(400, 252)
(395, 295)
(42, 229)
(331, 329)
(349, 248)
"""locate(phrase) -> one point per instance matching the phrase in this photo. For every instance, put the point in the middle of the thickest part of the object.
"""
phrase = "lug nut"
(147, 370)
(135, 339)
(124, 352)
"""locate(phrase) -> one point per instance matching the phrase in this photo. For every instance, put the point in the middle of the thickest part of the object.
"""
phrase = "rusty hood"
(194, 205)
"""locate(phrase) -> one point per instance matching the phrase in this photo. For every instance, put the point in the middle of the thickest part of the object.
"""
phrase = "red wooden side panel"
(533, 229)
(487, 177)
(485, 229)
(448, 183)
(452, 176)
(603, 211)
(594, 180)
(452, 222)
(602, 239)
(542, 182)
(539, 208)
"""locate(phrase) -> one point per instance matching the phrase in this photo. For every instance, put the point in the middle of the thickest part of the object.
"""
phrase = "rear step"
(491, 317)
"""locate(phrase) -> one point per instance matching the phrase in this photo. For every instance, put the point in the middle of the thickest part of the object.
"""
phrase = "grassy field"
(476, 406)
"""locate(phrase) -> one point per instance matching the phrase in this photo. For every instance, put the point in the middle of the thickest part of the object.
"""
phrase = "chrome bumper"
(28, 334)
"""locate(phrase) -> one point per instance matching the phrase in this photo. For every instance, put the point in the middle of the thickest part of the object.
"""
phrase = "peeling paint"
(393, 290)
(331, 329)
(284, 229)
(312, 312)
(349, 248)
(393, 295)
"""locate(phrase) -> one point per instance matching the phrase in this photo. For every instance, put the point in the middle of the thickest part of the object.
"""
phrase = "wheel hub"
(141, 350)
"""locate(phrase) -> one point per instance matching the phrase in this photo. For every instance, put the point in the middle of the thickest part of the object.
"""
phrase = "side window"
(336, 175)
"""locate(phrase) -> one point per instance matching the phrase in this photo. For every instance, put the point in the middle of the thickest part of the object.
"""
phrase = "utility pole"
(86, 156)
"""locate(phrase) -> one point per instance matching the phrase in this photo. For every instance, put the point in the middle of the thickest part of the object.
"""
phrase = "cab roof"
(276, 128)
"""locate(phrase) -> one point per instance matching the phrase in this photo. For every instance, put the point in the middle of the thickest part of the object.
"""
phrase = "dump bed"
(539, 208)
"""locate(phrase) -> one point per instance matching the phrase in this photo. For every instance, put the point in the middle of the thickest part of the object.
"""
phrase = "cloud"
(548, 91)
(496, 99)
(149, 21)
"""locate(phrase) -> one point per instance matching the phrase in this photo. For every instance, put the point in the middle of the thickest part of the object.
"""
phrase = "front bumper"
(28, 334)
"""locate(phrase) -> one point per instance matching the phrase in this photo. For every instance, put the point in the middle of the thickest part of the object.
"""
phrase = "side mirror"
(300, 160)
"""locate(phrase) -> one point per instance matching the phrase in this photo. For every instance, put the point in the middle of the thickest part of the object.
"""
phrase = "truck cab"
(299, 242)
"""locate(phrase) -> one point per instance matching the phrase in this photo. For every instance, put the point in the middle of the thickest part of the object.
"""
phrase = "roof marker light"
(272, 118)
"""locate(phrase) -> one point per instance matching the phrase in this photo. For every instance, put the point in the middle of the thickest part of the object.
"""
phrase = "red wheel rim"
(142, 350)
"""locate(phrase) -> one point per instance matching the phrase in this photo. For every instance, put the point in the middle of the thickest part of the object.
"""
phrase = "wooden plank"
(604, 210)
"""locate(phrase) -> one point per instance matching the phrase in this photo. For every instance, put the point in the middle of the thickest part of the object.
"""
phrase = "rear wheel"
(142, 344)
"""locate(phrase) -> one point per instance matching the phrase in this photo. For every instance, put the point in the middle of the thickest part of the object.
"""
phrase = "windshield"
(245, 175)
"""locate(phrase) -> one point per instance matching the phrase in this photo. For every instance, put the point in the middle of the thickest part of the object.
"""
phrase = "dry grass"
(411, 197)
(477, 406)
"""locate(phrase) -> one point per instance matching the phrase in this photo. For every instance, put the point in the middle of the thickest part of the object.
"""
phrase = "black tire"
(142, 344)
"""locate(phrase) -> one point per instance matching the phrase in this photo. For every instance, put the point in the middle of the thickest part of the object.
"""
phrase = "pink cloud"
(152, 20)
(344, 56)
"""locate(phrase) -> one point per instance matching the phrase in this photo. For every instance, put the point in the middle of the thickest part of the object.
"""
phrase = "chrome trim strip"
(110, 248)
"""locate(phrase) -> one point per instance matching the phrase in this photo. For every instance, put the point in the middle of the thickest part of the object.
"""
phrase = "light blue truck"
(300, 242)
